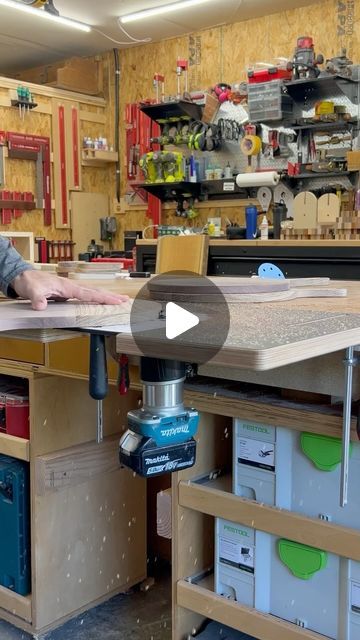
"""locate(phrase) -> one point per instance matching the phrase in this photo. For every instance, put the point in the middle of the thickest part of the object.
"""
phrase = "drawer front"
(72, 356)
(22, 351)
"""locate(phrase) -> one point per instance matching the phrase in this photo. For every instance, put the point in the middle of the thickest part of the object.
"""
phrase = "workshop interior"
(187, 464)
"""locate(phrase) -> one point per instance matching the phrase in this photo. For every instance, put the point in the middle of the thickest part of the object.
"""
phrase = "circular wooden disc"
(193, 286)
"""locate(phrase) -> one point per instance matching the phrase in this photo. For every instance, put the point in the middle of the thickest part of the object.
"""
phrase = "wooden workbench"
(267, 335)
(85, 544)
(262, 336)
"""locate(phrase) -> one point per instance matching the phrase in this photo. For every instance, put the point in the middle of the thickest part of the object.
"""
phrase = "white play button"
(178, 320)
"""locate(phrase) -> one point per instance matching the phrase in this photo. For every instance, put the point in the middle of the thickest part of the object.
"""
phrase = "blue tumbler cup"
(251, 214)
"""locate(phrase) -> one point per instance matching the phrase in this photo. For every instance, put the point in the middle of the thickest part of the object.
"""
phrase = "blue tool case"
(15, 570)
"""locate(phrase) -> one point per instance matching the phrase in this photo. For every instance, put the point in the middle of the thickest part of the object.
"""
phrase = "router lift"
(160, 435)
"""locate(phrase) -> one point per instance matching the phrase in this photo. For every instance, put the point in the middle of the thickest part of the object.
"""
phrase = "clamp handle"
(98, 376)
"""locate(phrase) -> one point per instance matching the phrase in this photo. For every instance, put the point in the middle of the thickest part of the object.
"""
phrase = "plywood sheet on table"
(20, 315)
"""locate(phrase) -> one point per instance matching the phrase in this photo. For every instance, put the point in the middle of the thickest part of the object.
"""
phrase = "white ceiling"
(27, 42)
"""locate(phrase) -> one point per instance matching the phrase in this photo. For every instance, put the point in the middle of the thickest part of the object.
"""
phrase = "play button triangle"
(178, 320)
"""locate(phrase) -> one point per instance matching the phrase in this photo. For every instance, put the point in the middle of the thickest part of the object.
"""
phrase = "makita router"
(160, 438)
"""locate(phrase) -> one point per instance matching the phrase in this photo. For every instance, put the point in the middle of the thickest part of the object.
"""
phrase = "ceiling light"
(157, 11)
(40, 13)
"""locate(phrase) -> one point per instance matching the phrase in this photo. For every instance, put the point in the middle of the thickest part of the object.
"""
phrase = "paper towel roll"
(260, 179)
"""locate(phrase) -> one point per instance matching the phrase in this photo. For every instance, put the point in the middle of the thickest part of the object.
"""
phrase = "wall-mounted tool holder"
(67, 157)
(23, 100)
(36, 148)
(14, 203)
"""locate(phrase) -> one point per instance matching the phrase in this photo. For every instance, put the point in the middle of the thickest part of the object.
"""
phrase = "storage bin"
(17, 416)
(14, 408)
(303, 585)
(296, 471)
(15, 571)
(267, 101)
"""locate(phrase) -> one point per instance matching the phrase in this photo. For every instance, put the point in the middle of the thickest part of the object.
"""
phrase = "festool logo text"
(251, 427)
(239, 532)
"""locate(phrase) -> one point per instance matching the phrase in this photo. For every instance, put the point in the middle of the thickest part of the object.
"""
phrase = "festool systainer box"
(14, 525)
(296, 471)
(303, 585)
(237, 551)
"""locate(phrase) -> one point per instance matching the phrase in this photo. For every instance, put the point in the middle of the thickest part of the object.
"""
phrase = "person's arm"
(11, 266)
(18, 278)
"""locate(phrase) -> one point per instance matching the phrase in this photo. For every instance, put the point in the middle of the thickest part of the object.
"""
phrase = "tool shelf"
(177, 109)
(203, 493)
(98, 157)
(307, 89)
(24, 103)
(315, 174)
(18, 606)
(15, 447)
(76, 571)
(214, 498)
(171, 190)
(325, 126)
(224, 189)
(201, 599)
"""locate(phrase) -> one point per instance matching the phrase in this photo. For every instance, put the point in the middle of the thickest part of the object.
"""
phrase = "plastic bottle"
(264, 229)
(227, 172)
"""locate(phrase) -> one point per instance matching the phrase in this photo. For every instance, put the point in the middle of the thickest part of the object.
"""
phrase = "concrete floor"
(137, 616)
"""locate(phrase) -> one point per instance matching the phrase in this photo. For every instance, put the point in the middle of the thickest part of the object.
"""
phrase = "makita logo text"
(174, 431)
(164, 458)
(251, 427)
(235, 530)
(169, 467)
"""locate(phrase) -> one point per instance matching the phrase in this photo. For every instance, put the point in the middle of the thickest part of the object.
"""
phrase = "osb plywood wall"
(222, 53)
(20, 175)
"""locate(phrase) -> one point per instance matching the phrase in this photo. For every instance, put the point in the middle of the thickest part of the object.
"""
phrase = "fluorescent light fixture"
(157, 11)
(45, 15)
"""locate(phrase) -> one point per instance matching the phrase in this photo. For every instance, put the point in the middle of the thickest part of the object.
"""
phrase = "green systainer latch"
(302, 561)
(325, 452)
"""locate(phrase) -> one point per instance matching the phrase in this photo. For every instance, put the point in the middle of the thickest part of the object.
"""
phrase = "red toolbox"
(266, 74)
(17, 416)
(14, 409)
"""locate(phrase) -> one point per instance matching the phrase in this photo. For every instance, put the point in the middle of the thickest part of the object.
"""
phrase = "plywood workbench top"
(270, 335)
(261, 336)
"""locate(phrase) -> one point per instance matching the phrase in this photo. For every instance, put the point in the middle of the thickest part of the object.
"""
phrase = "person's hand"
(39, 286)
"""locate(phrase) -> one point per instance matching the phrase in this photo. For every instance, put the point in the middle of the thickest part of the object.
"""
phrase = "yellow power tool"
(47, 5)
(35, 3)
